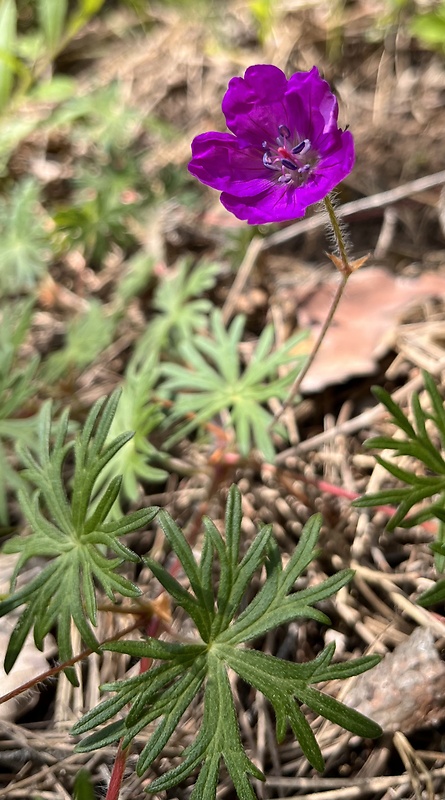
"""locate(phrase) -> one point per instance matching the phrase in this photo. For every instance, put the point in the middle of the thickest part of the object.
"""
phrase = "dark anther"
(284, 131)
(303, 146)
(289, 164)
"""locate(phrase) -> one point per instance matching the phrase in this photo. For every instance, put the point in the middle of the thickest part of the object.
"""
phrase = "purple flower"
(285, 151)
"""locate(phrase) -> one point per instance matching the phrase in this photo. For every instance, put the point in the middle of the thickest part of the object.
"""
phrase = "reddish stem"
(117, 774)
(55, 670)
(338, 491)
(220, 468)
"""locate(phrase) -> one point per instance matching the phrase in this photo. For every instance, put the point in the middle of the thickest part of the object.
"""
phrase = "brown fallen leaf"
(365, 322)
(31, 661)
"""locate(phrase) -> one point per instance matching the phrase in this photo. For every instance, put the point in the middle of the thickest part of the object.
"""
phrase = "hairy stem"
(50, 673)
(115, 785)
(345, 267)
(117, 774)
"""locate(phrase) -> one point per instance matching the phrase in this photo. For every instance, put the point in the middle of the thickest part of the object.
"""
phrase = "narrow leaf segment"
(164, 692)
(72, 531)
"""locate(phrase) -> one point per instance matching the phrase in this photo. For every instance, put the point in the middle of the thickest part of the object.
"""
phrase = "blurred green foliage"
(24, 238)
(263, 14)
(425, 22)
(17, 387)
(214, 381)
(180, 310)
(87, 336)
(98, 212)
(429, 27)
(420, 493)
(137, 412)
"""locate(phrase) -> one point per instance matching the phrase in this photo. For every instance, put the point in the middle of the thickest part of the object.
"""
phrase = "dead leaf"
(31, 661)
(365, 324)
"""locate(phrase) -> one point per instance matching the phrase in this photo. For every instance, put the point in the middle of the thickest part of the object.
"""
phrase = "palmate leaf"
(424, 440)
(178, 301)
(70, 530)
(164, 692)
(180, 309)
(214, 380)
(136, 460)
(87, 335)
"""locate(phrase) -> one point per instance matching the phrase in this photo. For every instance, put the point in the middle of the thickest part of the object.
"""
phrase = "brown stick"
(379, 200)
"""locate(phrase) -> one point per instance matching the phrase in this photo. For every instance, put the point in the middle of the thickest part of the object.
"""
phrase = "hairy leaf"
(71, 531)
(214, 379)
(165, 691)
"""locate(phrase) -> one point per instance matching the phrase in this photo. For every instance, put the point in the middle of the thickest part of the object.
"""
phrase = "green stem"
(345, 268)
(338, 235)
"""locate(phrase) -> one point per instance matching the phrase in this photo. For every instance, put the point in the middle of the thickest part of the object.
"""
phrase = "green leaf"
(219, 738)
(137, 461)
(437, 403)
(190, 604)
(172, 704)
(439, 548)
(180, 311)
(424, 481)
(214, 380)
(86, 10)
(51, 16)
(83, 786)
(331, 709)
(24, 237)
(17, 387)
(56, 90)
(87, 336)
(399, 418)
(433, 596)
(8, 24)
(430, 28)
(90, 7)
(103, 738)
(71, 531)
(226, 621)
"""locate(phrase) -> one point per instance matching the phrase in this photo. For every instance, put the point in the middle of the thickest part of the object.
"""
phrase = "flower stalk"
(295, 388)
(346, 268)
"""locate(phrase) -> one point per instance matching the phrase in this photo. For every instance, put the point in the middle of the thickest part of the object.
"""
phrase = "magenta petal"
(316, 103)
(252, 104)
(285, 151)
(220, 162)
(266, 207)
(340, 160)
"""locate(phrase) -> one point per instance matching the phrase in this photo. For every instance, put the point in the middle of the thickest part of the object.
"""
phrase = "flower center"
(293, 162)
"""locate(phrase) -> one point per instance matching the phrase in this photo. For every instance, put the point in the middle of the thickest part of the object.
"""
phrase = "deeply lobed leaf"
(165, 691)
(419, 442)
(71, 531)
(214, 379)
